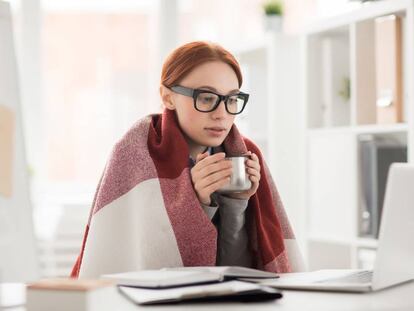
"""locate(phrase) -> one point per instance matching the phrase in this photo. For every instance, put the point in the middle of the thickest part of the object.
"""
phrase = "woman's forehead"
(216, 75)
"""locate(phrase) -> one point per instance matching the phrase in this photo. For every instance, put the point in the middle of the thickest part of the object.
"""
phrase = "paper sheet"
(7, 122)
(148, 296)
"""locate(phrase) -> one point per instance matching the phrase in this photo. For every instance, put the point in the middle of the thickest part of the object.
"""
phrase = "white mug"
(239, 179)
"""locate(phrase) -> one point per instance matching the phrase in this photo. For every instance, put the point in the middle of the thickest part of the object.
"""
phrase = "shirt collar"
(208, 149)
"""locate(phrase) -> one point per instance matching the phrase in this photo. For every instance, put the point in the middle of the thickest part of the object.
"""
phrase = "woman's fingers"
(253, 166)
(205, 161)
(253, 172)
(205, 187)
(214, 168)
(210, 165)
(255, 182)
(213, 178)
(201, 156)
(253, 162)
(216, 185)
(209, 174)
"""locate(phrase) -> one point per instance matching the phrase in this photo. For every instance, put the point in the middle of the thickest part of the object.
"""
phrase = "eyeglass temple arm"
(183, 90)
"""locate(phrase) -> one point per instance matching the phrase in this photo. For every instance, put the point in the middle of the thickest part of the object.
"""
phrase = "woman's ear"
(167, 97)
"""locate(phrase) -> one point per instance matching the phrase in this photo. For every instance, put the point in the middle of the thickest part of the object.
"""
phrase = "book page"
(6, 150)
(162, 278)
(148, 296)
(228, 271)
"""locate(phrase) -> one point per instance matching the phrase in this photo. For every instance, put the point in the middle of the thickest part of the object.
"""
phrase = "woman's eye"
(232, 101)
(208, 99)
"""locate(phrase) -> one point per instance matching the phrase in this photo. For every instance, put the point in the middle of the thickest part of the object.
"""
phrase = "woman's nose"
(220, 112)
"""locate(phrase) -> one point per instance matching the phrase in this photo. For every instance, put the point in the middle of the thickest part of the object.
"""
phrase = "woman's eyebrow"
(214, 90)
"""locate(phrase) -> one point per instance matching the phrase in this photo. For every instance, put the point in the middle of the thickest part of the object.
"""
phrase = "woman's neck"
(195, 150)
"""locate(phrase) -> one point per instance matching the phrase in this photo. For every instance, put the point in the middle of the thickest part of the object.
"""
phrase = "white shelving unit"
(254, 64)
(333, 51)
(310, 134)
(274, 118)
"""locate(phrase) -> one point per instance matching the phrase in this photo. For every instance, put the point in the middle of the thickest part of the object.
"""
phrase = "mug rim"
(239, 156)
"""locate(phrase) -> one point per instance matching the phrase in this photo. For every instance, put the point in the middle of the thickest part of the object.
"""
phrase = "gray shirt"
(233, 242)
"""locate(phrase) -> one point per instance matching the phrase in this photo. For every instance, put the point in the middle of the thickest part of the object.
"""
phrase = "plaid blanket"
(146, 214)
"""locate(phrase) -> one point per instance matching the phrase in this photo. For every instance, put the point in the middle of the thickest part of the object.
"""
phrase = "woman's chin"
(213, 142)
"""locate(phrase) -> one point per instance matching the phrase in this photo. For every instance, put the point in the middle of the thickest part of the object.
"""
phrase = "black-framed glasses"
(207, 101)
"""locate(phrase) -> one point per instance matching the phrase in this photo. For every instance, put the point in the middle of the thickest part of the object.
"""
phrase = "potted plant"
(273, 10)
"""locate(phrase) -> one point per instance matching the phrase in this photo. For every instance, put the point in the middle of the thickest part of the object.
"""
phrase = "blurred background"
(89, 69)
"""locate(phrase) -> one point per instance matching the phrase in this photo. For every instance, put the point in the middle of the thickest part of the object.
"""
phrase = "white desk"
(399, 298)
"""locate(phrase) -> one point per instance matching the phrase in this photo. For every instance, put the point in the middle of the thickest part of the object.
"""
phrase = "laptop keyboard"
(356, 278)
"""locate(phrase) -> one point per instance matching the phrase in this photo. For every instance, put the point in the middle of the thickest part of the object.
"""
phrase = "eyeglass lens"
(208, 101)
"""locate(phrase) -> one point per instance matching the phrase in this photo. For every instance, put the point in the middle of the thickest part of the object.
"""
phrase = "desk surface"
(397, 298)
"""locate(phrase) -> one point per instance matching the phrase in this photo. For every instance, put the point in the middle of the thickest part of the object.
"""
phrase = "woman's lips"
(215, 131)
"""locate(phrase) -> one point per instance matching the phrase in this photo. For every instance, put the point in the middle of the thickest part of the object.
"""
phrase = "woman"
(157, 203)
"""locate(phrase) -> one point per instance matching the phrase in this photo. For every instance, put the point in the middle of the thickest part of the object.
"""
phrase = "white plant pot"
(273, 23)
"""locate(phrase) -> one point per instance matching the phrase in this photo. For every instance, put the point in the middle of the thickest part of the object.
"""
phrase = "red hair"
(188, 56)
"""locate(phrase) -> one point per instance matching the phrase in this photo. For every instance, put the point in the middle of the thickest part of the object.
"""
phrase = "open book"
(226, 291)
(174, 277)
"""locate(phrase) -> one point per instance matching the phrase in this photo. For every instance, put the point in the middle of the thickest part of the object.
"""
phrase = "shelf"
(361, 129)
(367, 243)
(366, 11)
(325, 239)
(358, 242)
(381, 129)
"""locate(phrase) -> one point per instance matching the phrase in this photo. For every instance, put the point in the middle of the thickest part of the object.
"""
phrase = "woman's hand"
(253, 170)
(210, 173)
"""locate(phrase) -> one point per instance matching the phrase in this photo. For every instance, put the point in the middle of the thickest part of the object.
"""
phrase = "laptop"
(395, 253)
